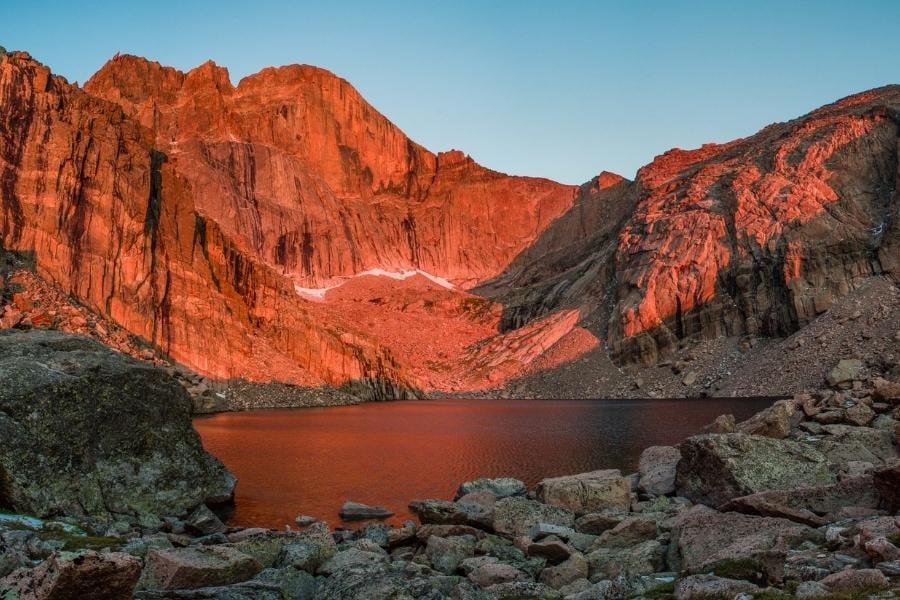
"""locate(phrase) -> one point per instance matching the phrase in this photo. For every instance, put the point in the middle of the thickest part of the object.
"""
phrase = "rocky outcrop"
(754, 237)
(90, 432)
(717, 467)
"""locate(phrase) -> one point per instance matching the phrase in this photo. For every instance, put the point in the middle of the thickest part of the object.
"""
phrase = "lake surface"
(309, 461)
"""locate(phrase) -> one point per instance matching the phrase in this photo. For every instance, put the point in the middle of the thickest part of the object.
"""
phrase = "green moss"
(75, 542)
(741, 568)
(894, 538)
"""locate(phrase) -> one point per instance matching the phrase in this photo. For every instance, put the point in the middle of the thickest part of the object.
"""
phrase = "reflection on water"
(309, 461)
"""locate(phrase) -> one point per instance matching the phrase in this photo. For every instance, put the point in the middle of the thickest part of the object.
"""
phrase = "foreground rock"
(91, 432)
(587, 492)
(87, 576)
(718, 467)
(657, 468)
(357, 511)
(735, 545)
(187, 568)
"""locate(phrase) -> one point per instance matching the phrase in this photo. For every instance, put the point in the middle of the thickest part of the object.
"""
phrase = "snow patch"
(318, 294)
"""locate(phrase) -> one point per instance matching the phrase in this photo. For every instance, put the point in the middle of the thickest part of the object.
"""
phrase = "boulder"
(657, 467)
(265, 546)
(446, 554)
(203, 521)
(844, 444)
(86, 575)
(353, 559)
(309, 549)
(887, 483)
(734, 545)
(886, 391)
(721, 424)
(523, 590)
(881, 550)
(710, 587)
(196, 567)
(843, 373)
(596, 523)
(811, 589)
(247, 590)
(587, 492)
(492, 573)
(871, 528)
(642, 559)
(629, 532)
(553, 550)
(515, 515)
(773, 422)
(439, 512)
(479, 508)
(377, 533)
(427, 531)
(716, 468)
(859, 414)
(572, 569)
(501, 487)
(607, 589)
(855, 579)
(357, 511)
(376, 582)
(815, 505)
(90, 432)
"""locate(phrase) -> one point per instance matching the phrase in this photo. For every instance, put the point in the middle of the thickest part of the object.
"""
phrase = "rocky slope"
(281, 229)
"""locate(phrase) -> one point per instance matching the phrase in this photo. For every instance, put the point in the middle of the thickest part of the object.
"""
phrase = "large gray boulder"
(90, 432)
(843, 444)
(515, 515)
(587, 492)
(717, 467)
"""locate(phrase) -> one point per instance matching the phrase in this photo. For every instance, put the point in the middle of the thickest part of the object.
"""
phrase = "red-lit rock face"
(759, 235)
(755, 236)
(190, 212)
(304, 174)
(282, 229)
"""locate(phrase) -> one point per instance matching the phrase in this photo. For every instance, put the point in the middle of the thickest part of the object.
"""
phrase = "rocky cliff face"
(298, 168)
(283, 229)
(210, 219)
(754, 237)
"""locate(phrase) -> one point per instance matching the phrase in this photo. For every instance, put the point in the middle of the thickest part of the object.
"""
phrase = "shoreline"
(800, 500)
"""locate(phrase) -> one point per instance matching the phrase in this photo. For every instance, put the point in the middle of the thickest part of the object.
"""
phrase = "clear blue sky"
(555, 89)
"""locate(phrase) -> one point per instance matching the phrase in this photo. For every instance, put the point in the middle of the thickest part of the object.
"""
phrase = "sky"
(553, 89)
